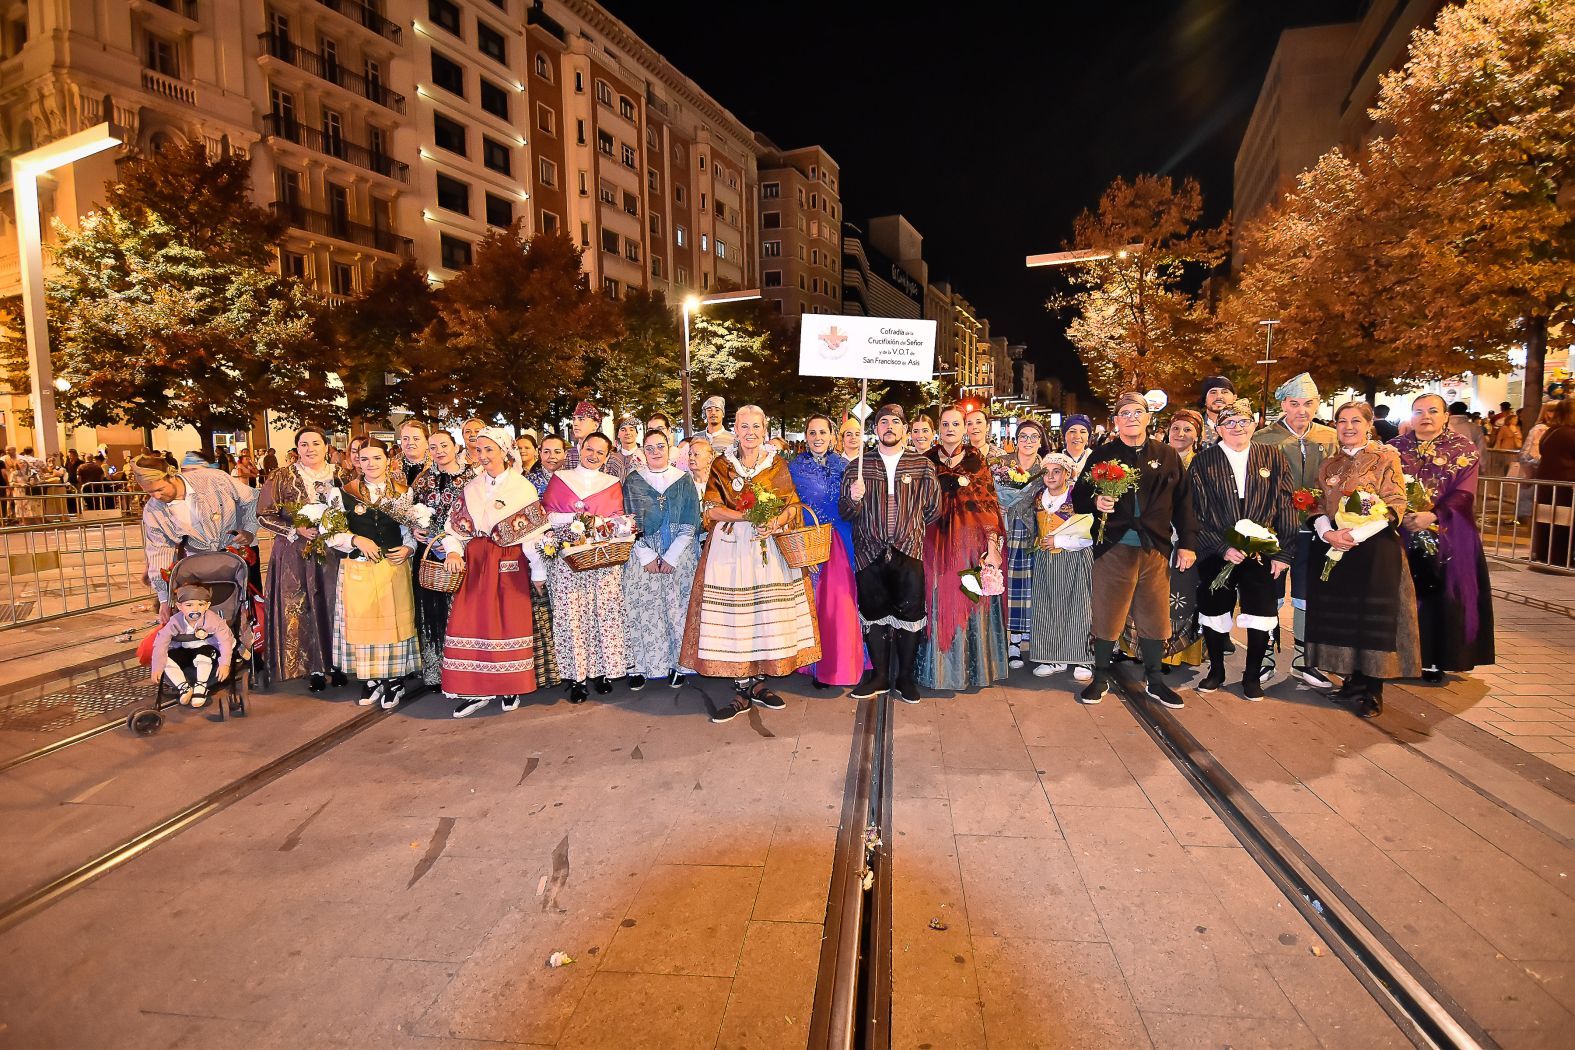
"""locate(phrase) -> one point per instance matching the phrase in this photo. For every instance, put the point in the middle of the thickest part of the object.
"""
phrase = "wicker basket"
(598, 555)
(435, 576)
(806, 547)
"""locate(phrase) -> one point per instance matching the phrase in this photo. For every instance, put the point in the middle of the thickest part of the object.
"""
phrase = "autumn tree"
(1139, 318)
(376, 338)
(630, 373)
(511, 331)
(163, 308)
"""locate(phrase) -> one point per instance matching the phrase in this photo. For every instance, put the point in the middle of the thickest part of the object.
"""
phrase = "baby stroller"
(227, 575)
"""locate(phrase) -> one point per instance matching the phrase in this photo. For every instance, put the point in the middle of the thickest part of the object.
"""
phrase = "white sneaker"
(1082, 674)
(1015, 662)
(509, 703)
(469, 706)
(1046, 670)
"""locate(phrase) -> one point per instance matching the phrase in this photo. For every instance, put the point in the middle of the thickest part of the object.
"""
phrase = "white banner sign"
(866, 348)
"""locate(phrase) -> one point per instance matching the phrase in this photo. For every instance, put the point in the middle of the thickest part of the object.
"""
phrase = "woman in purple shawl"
(1443, 546)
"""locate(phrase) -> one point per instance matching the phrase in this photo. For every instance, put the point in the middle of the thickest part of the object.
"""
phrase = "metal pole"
(689, 423)
(35, 322)
(864, 397)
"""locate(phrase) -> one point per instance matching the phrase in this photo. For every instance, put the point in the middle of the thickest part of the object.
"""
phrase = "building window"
(546, 119)
(656, 266)
(579, 82)
(607, 193)
(814, 256)
(603, 93)
(653, 180)
(651, 141)
(678, 155)
(292, 264)
(721, 249)
(444, 13)
(546, 172)
(771, 249)
(705, 242)
(773, 278)
(497, 156)
(543, 67)
(626, 108)
(681, 277)
(631, 203)
(702, 162)
(680, 236)
(801, 286)
(656, 225)
(494, 100)
(454, 251)
(771, 220)
(490, 42)
(678, 195)
(341, 279)
(610, 287)
(500, 211)
(702, 200)
(770, 191)
(449, 134)
(448, 75)
(162, 56)
(630, 158)
(631, 250)
(549, 222)
(604, 143)
(585, 235)
(584, 188)
(453, 195)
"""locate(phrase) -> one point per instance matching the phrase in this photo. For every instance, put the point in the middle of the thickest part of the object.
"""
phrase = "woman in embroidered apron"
(587, 607)
(817, 476)
(751, 614)
(299, 596)
(375, 618)
(1014, 472)
(492, 532)
(1063, 572)
(666, 510)
(966, 644)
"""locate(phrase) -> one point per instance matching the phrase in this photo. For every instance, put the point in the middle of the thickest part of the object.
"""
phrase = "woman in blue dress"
(817, 475)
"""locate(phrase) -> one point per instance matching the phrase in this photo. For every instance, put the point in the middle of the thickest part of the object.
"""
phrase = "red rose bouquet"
(1112, 479)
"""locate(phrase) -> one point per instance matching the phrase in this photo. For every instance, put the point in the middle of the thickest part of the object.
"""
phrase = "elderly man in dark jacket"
(1132, 560)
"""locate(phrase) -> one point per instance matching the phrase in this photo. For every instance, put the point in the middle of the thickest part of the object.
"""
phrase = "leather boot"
(1252, 677)
(876, 680)
(1215, 642)
(905, 645)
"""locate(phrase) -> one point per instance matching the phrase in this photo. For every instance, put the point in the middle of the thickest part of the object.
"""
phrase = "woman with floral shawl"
(1454, 596)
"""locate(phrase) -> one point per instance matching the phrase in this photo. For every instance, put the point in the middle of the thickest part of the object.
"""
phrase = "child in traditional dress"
(1063, 569)
(193, 648)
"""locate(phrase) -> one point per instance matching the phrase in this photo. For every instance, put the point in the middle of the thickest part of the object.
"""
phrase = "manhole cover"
(98, 697)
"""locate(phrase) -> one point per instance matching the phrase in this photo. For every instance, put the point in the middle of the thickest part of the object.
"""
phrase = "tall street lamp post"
(26, 169)
(1267, 363)
(692, 304)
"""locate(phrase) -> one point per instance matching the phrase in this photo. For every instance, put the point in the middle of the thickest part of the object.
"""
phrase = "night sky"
(990, 126)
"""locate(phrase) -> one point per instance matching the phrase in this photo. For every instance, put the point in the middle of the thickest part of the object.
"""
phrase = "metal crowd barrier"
(66, 550)
(1526, 520)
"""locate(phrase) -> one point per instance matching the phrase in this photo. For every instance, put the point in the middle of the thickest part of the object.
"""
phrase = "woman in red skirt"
(489, 652)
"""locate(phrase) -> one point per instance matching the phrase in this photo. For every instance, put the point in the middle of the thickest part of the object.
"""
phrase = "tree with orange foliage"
(1140, 320)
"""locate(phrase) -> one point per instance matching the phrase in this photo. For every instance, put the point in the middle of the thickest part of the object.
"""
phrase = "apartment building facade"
(801, 231)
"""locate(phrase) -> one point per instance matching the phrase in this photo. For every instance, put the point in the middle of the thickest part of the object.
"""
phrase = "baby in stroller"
(193, 650)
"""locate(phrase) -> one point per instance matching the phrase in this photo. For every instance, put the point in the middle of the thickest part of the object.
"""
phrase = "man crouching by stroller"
(193, 649)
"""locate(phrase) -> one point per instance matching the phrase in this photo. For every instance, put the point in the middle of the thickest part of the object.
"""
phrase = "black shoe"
(578, 693)
(1155, 688)
(870, 685)
(875, 681)
(603, 685)
(1432, 676)
(315, 682)
(1215, 679)
(470, 705)
(1095, 690)
(636, 682)
(509, 703)
(1252, 687)
(1372, 704)
(391, 695)
(818, 684)
(760, 696)
(1353, 690)
(905, 656)
(337, 679)
(740, 704)
(676, 680)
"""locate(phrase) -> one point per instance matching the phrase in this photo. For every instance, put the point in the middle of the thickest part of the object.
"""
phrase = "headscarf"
(1211, 383)
(146, 476)
(1300, 385)
(584, 410)
(1062, 460)
(714, 399)
(1240, 408)
(1189, 415)
(1077, 419)
(500, 437)
(1044, 438)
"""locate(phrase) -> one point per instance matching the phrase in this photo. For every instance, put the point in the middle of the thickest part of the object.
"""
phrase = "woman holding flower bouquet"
(588, 614)
(966, 646)
(490, 647)
(1014, 472)
(666, 512)
(440, 488)
(1241, 498)
(299, 595)
(1361, 605)
(751, 614)
(375, 616)
(1443, 546)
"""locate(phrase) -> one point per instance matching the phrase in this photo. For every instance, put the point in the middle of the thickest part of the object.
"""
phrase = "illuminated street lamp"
(692, 304)
(26, 169)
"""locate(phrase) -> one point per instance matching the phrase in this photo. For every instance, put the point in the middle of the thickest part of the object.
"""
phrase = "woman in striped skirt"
(1014, 473)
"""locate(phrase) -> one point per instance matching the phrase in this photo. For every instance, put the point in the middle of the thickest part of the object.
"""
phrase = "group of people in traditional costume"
(951, 560)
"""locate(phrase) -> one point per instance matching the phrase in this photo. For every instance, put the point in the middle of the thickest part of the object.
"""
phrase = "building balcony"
(331, 145)
(325, 224)
(287, 51)
(366, 16)
(186, 9)
(172, 88)
(535, 16)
